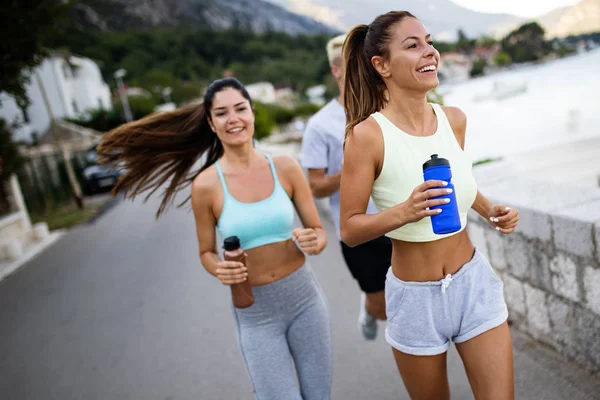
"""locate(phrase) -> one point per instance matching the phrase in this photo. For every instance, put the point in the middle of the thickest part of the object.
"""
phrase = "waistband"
(302, 274)
(476, 259)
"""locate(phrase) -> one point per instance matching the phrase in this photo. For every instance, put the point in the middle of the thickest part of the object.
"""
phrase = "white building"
(262, 91)
(454, 67)
(73, 85)
(316, 94)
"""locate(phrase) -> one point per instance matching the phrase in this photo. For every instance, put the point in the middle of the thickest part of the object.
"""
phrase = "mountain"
(442, 18)
(257, 15)
(580, 18)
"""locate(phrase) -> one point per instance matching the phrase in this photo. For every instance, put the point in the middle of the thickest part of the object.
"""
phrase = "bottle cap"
(435, 161)
(231, 243)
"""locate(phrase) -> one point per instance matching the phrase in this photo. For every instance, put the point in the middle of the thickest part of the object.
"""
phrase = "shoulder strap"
(442, 119)
(221, 177)
(273, 171)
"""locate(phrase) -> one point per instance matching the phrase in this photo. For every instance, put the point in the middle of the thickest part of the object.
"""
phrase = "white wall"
(262, 91)
(70, 93)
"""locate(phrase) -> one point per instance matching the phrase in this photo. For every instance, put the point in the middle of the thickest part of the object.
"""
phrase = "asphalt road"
(122, 309)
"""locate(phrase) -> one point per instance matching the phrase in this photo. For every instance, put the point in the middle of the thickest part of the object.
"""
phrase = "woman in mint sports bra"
(440, 288)
(284, 335)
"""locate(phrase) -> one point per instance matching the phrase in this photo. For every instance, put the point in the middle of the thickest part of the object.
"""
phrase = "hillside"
(256, 15)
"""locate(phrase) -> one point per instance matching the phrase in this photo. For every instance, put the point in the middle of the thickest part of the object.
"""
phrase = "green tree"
(478, 67)
(263, 123)
(26, 26)
(10, 159)
(100, 120)
(140, 106)
(464, 44)
(502, 58)
(526, 43)
(193, 56)
(444, 47)
(486, 41)
(105, 120)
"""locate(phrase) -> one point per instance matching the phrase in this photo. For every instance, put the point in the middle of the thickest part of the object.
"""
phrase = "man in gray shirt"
(322, 155)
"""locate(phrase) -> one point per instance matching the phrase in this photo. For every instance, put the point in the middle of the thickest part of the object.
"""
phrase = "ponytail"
(364, 91)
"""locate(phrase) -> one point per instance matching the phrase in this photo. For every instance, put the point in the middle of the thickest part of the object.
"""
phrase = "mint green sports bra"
(259, 223)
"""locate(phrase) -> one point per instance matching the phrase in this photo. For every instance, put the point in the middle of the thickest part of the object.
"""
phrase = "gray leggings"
(288, 325)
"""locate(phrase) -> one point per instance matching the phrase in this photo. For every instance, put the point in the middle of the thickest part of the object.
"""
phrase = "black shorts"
(369, 263)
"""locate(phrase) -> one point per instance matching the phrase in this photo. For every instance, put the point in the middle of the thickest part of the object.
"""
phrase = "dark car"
(99, 178)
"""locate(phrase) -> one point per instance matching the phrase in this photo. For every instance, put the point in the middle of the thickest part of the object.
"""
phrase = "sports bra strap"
(222, 178)
(273, 171)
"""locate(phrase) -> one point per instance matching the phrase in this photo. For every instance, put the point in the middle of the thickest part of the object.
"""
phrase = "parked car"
(99, 178)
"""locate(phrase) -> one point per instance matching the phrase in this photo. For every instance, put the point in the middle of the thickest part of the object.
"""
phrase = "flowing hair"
(364, 90)
(164, 147)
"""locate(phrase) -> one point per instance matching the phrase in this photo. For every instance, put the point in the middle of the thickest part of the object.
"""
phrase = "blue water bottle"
(448, 221)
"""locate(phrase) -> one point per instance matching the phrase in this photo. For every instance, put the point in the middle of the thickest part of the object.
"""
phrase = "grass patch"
(486, 161)
(67, 216)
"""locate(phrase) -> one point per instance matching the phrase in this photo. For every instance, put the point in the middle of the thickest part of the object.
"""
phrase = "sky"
(522, 8)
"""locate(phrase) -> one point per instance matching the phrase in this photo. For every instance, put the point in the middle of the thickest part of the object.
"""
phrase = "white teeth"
(427, 68)
(235, 130)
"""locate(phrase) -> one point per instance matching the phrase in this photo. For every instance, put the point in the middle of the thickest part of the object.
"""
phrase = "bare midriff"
(272, 262)
(431, 261)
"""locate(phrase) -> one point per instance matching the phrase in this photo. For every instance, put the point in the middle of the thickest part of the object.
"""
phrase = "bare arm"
(323, 185)
(363, 156)
(228, 272)
(315, 150)
(501, 217)
(313, 238)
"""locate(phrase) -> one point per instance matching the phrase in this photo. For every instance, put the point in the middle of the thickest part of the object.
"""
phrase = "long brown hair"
(165, 146)
(364, 90)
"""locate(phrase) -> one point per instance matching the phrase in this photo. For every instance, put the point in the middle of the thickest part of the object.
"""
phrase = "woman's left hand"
(503, 218)
(307, 240)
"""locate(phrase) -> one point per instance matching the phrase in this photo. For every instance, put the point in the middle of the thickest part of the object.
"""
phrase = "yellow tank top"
(402, 171)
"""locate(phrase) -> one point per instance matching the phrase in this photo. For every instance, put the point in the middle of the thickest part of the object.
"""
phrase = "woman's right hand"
(416, 207)
(231, 272)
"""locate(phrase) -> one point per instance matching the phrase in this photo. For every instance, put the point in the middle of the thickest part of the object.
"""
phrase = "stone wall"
(15, 228)
(551, 264)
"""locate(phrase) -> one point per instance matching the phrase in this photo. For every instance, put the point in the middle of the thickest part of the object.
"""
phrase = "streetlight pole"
(62, 150)
(119, 74)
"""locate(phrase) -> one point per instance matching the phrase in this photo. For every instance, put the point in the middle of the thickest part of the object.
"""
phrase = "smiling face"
(231, 117)
(412, 60)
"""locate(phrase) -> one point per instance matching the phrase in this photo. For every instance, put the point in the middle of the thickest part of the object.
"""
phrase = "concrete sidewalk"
(35, 248)
(575, 163)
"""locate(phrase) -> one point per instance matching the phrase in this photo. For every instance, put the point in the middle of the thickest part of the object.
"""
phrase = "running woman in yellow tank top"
(440, 288)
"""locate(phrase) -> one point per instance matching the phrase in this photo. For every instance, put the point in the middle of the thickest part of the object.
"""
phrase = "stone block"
(591, 284)
(497, 242)
(13, 249)
(573, 228)
(563, 323)
(518, 257)
(537, 312)
(546, 196)
(534, 224)
(597, 241)
(40, 231)
(541, 274)
(588, 335)
(564, 277)
(514, 294)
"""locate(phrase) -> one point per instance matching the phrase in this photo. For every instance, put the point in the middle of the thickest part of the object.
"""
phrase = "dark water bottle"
(448, 221)
(241, 293)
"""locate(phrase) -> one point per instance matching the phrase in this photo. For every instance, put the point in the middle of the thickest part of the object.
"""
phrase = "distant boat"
(502, 90)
